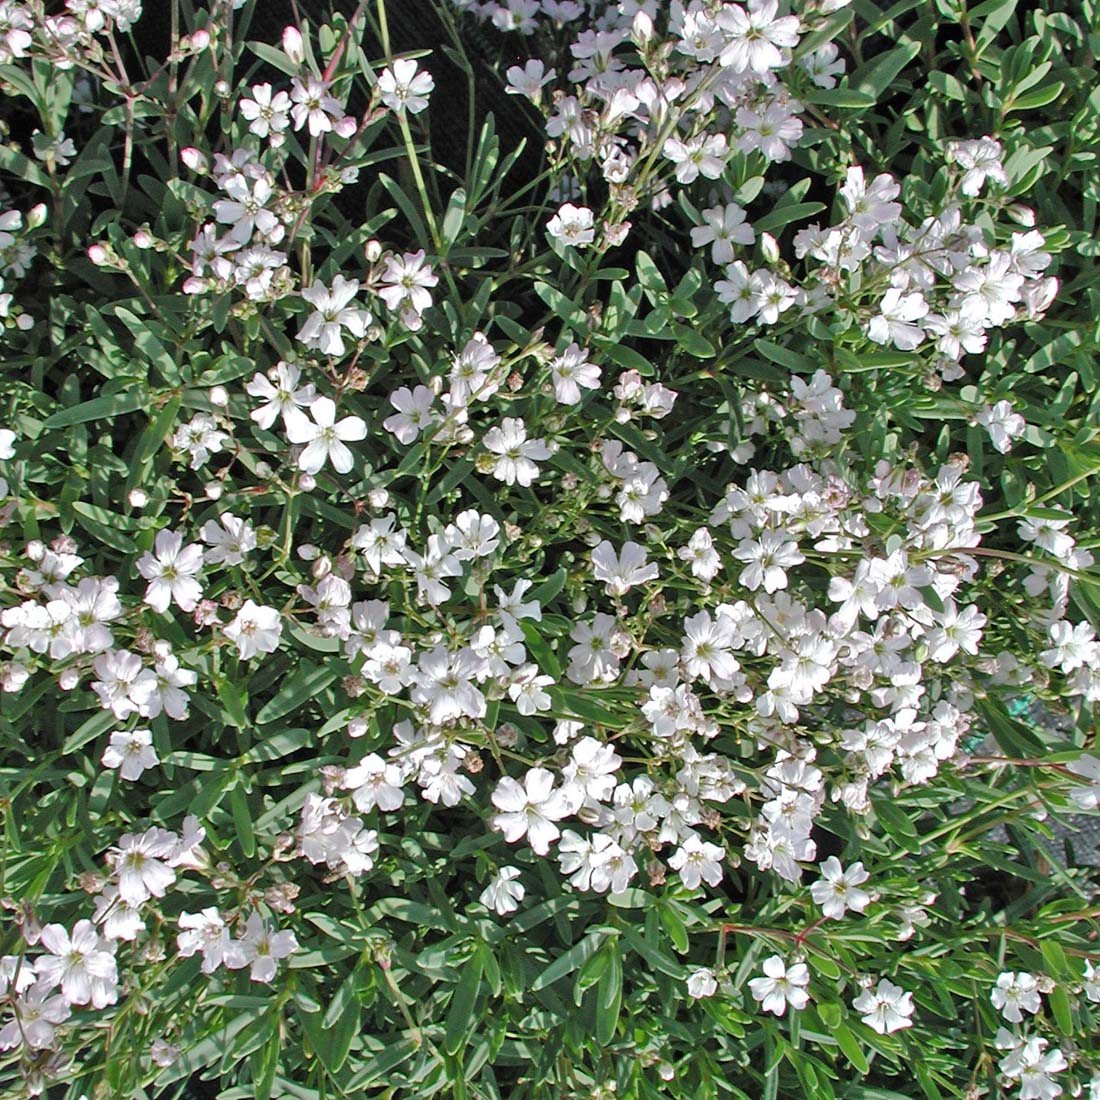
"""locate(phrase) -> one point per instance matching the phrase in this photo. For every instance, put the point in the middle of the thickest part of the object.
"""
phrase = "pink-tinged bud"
(770, 247)
(98, 255)
(641, 29)
(346, 126)
(219, 397)
(200, 40)
(143, 239)
(37, 216)
(68, 679)
(293, 46)
(194, 159)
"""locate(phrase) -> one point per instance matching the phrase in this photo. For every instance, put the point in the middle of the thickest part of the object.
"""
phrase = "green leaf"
(101, 408)
(851, 98)
(609, 995)
(784, 215)
(307, 681)
(463, 1001)
(849, 1044)
(568, 962)
(242, 819)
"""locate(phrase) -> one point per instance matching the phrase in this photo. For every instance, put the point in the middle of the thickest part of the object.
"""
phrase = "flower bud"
(308, 552)
(194, 159)
(307, 483)
(214, 490)
(347, 126)
(1021, 215)
(219, 397)
(641, 29)
(138, 498)
(222, 89)
(37, 216)
(378, 498)
(143, 239)
(770, 247)
(68, 679)
(198, 41)
(99, 255)
(293, 46)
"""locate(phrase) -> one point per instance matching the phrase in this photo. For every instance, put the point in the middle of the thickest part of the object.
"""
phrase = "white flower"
(571, 370)
(404, 284)
(79, 964)
(171, 571)
(700, 553)
(1014, 994)
(201, 437)
(38, 1015)
(314, 106)
(755, 38)
(702, 983)
(7, 444)
(573, 225)
(504, 892)
(1087, 767)
(697, 861)
(530, 810)
(704, 155)
(324, 437)
(768, 559)
(333, 311)
(517, 454)
(260, 948)
(894, 322)
(1002, 423)
(268, 114)
(230, 537)
(414, 413)
(132, 752)
(781, 986)
(724, 226)
(404, 89)
(980, 160)
(887, 1009)
(837, 890)
(373, 782)
(207, 932)
(281, 393)
(621, 572)
(529, 80)
(139, 862)
(256, 629)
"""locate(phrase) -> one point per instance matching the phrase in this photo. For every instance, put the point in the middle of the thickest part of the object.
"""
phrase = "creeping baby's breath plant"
(548, 549)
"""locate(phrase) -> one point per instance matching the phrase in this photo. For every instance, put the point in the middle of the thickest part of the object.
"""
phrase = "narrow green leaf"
(463, 1001)
(306, 681)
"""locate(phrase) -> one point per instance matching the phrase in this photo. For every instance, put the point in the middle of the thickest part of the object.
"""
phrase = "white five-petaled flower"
(333, 312)
(256, 629)
(573, 225)
(281, 394)
(781, 986)
(260, 948)
(570, 371)
(313, 106)
(503, 892)
(231, 539)
(132, 752)
(516, 454)
(837, 890)
(80, 964)
(702, 983)
(268, 114)
(621, 572)
(698, 860)
(170, 571)
(404, 88)
(724, 226)
(530, 810)
(755, 38)
(887, 1009)
(207, 932)
(1014, 994)
(324, 437)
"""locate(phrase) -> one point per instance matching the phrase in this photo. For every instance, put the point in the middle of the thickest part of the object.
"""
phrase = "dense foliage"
(527, 560)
